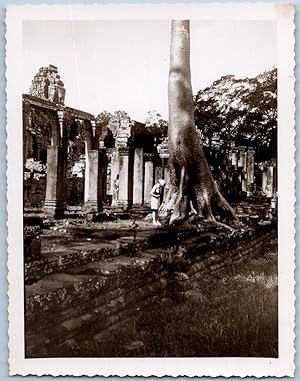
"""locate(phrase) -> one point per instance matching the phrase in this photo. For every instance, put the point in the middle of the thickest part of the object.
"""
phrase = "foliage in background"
(103, 119)
(244, 110)
(156, 125)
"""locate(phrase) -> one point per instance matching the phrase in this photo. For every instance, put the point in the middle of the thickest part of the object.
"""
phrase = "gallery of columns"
(118, 166)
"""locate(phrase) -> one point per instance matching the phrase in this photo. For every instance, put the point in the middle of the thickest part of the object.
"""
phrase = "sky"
(123, 65)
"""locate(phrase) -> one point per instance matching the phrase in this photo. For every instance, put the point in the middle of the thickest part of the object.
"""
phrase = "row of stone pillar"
(146, 173)
(269, 179)
(244, 159)
(137, 173)
(132, 174)
(143, 176)
(56, 185)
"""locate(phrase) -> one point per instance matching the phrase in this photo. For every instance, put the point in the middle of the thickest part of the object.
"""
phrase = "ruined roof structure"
(47, 85)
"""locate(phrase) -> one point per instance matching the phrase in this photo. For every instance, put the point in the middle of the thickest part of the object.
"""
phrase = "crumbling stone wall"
(32, 242)
(78, 301)
(34, 191)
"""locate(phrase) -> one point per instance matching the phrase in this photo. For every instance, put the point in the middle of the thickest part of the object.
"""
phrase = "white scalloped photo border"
(283, 14)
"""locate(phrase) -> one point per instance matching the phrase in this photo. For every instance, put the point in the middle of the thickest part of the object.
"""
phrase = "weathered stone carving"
(123, 134)
(163, 150)
(38, 124)
(47, 85)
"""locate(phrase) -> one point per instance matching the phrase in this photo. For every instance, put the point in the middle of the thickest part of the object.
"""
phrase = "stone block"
(32, 242)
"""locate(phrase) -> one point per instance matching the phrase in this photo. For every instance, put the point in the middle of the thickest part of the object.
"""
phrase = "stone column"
(234, 158)
(244, 184)
(269, 181)
(245, 161)
(241, 159)
(138, 178)
(96, 180)
(58, 130)
(114, 176)
(88, 147)
(245, 181)
(55, 202)
(103, 174)
(124, 186)
(250, 171)
(108, 172)
(55, 136)
(149, 176)
(275, 185)
(264, 181)
(95, 144)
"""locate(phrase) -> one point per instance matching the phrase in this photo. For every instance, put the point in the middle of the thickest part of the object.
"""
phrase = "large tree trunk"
(192, 186)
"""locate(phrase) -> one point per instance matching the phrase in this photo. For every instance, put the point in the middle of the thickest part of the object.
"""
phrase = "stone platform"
(92, 278)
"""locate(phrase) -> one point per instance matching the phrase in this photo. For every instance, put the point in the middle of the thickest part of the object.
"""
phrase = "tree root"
(221, 224)
(180, 208)
(186, 200)
(223, 205)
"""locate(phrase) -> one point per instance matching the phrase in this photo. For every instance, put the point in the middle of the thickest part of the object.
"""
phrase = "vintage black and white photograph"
(150, 176)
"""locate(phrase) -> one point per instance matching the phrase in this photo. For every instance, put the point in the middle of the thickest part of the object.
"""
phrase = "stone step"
(69, 254)
(59, 260)
(88, 298)
(83, 283)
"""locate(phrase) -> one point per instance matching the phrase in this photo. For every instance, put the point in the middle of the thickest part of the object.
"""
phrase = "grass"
(233, 313)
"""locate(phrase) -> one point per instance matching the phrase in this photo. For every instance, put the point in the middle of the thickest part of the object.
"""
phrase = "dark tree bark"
(192, 187)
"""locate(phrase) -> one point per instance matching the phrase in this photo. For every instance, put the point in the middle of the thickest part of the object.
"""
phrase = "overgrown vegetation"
(243, 110)
(232, 313)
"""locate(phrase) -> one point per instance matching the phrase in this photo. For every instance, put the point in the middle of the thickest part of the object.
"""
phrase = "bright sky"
(123, 65)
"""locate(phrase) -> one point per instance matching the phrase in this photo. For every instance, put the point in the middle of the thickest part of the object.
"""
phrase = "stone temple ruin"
(47, 85)
(119, 166)
(84, 280)
(114, 168)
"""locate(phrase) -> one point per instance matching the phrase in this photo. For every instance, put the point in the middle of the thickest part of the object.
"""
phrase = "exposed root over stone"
(189, 199)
